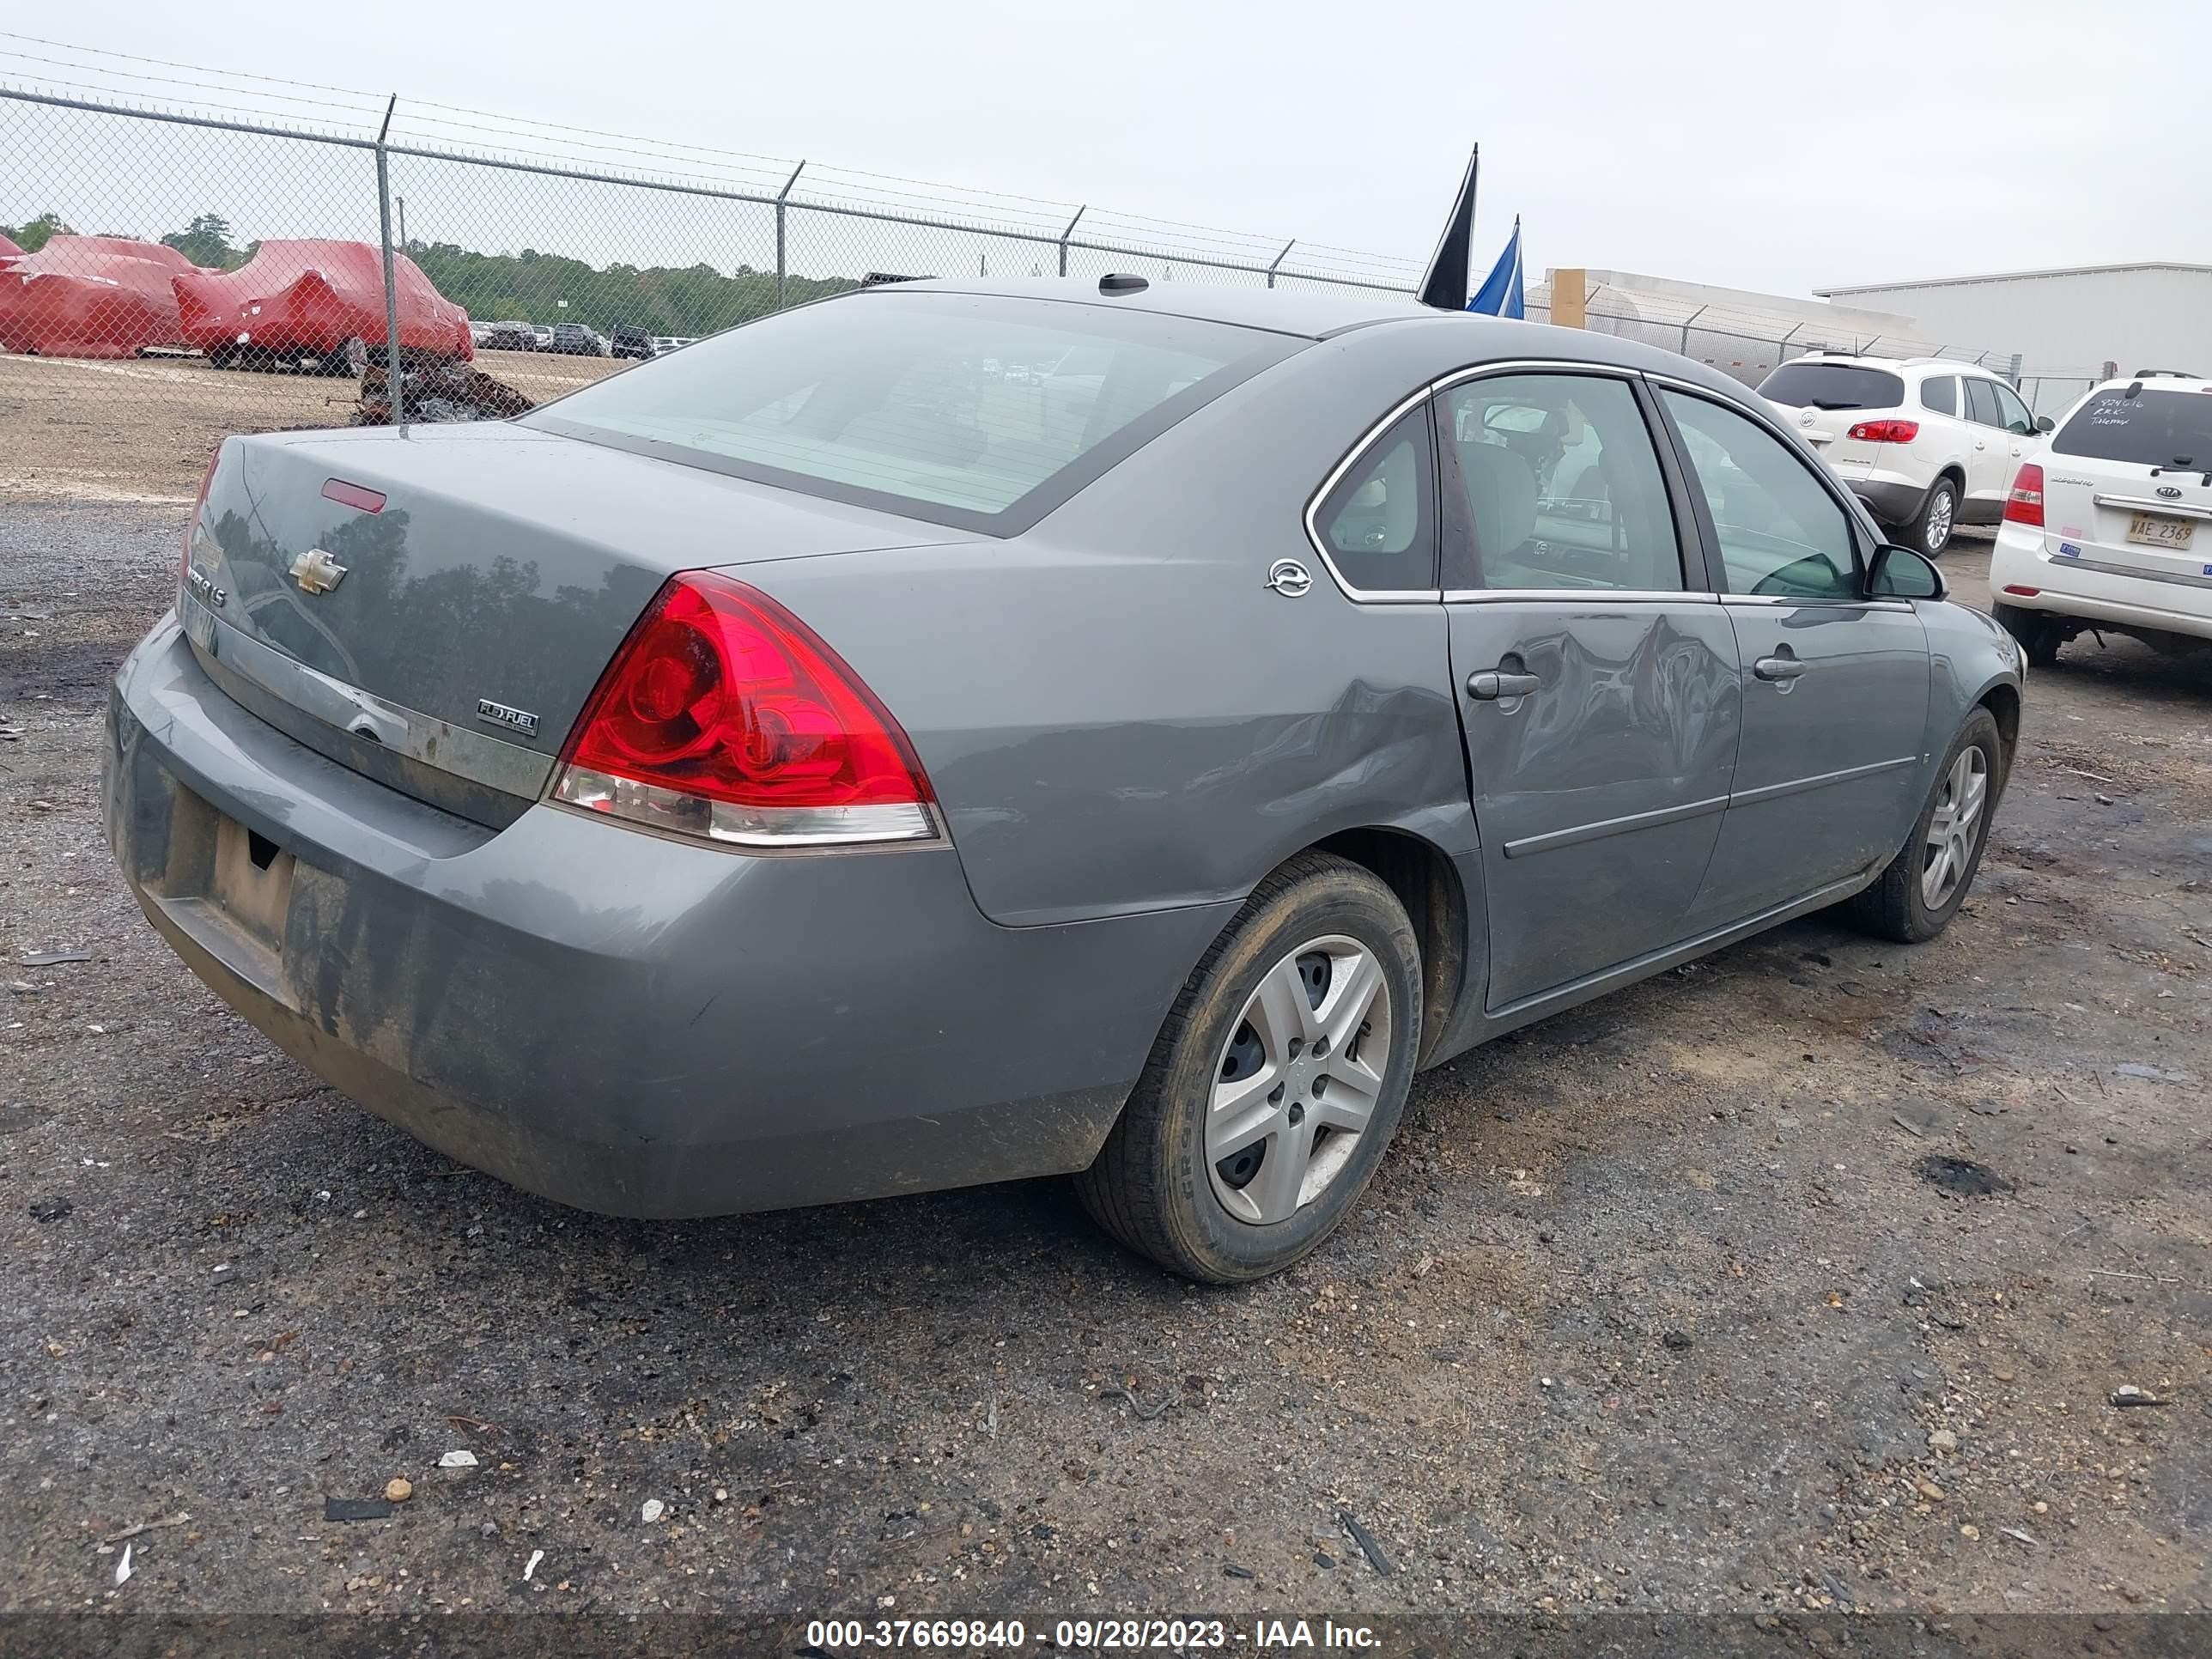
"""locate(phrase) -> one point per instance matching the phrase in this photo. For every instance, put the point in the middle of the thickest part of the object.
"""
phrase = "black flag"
(1451, 266)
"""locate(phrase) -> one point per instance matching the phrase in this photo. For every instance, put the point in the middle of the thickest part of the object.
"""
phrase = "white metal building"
(2141, 316)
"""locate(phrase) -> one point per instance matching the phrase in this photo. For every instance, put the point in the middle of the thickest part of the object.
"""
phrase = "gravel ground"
(1801, 1277)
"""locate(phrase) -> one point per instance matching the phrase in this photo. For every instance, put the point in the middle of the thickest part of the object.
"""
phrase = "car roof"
(2155, 381)
(1315, 313)
(1894, 365)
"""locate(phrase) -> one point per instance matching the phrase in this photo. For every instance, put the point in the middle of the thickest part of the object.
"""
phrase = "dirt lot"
(1802, 1277)
(140, 429)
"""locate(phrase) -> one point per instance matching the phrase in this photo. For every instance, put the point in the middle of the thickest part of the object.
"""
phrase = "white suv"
(1925, 442)
(2111, 526)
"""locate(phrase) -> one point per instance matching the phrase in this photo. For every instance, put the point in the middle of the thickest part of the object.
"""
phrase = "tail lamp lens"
(192, 523)
(2025, 504)
(1885, 432)
(725, 717)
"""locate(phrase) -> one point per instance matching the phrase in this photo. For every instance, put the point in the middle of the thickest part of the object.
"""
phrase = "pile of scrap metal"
(432, 387)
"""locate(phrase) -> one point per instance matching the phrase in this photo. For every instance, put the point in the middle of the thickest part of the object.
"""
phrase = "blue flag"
(1500, 293)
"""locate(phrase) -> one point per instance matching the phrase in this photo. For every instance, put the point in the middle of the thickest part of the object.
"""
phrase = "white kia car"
(2110, 527)
(1927, 443)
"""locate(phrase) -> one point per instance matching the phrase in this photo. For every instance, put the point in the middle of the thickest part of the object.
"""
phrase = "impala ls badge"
(316, 571)
(519, 720)
(1289, 578)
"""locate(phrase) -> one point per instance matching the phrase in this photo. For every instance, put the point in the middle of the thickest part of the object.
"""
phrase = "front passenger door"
(1835, 686)
(1597, 676)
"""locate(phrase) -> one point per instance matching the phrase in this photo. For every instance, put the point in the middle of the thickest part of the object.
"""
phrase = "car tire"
(1931, 528)
(1164, 1184)
(1908, 901)
(2039, 633)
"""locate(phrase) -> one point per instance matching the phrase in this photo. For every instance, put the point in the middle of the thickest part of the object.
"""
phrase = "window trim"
(1350, 465)
(1352, 458)
(1846, 503)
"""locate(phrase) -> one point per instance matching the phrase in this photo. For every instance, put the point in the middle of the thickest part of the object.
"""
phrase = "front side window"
(1982, 402)
(891, 399)
(1561, 484)
(1378, 523)
(1941, 395)
(1780, 534)
(2011, 411)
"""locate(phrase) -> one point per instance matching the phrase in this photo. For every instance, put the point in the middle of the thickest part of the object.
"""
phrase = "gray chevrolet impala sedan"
(955, 731)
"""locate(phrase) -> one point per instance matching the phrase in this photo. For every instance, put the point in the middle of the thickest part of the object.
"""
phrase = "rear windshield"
(2157, 428)
(978, 410)
(1831, 386)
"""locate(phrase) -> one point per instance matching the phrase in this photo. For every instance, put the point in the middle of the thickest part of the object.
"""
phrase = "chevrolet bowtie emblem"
(316, 571)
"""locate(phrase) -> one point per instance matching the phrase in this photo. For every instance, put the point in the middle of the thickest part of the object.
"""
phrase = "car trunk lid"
(432, 606)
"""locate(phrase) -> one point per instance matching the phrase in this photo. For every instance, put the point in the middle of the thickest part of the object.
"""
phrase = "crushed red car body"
(91, 296)
(310, 298)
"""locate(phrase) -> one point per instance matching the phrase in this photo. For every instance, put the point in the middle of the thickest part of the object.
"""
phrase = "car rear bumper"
(2077, 586)
(1892, 497)
(617, 1020)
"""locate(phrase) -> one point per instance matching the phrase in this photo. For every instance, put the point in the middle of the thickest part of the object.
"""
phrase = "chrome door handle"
(1978, 444)
(1777, 668)
(1492, 683)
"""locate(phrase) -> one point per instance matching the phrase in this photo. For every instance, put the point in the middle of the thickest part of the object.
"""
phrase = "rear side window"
(978, 410)
(1562, 486)
(1806, 385)
(1379, 522)
(1941, 395)
(2154, 428)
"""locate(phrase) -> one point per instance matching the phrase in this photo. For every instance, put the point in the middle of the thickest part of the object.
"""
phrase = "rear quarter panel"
(1115, 712)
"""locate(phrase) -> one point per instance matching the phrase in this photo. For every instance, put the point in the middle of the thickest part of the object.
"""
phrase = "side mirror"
(1898, 572)
(2044, 424)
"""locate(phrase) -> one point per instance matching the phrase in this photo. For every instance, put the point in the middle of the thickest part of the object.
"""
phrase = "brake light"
(725, 717)
(1885, 432)
(2023, 593)
(2025, 504)
(192, 522)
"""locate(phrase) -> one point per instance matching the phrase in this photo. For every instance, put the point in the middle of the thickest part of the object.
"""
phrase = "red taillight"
(199, 503)
(2025, 504)
(724, 716)
(2023, 593)
(1885, 432)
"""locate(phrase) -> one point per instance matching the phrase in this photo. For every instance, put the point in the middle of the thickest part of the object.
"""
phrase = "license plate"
(2154, 531)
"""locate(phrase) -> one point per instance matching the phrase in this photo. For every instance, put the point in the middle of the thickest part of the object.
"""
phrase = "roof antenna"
(1444, 284)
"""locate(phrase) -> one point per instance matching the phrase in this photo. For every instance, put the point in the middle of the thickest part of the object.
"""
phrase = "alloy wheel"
(1939, 514)
(1299, 1079)
(1952, 829)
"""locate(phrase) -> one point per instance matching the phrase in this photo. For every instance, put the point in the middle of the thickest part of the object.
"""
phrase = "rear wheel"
(1275, 1084)
(1915, 898)
(1929, 532)
(2039, 633)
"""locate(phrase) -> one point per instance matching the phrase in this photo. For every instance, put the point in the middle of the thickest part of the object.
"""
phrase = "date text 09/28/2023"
(1087, 1635)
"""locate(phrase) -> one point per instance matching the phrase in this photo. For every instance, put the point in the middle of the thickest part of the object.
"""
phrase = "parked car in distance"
(576, 340)
(2110, 526)
(664, 343)
(543, 335)
(1926, 443)
(628, 340)
(755, 809)
(508, 336)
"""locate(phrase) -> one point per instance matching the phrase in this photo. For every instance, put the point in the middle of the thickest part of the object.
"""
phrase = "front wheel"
(1916, 896)
(1275, 1084)
(1929, 532)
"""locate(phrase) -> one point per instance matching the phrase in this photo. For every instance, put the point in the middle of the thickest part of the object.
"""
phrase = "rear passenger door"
(1835, 686)
(1598, 694)
(1988, 459)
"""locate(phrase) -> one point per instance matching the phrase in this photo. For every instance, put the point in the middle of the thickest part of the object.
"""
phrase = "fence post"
(1275, 263)
(1069, 232)
(395, 388)
(781, 197)
(1686, 321)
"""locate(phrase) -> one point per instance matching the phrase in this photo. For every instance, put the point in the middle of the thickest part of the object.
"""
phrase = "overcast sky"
(1759, 146)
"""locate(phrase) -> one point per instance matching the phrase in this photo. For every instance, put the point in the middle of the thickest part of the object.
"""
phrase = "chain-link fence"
(169, 275)
(187, 252)
(1748, 345)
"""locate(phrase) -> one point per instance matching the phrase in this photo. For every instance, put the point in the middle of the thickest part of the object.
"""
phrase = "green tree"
(34, 233)
(206, 241)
